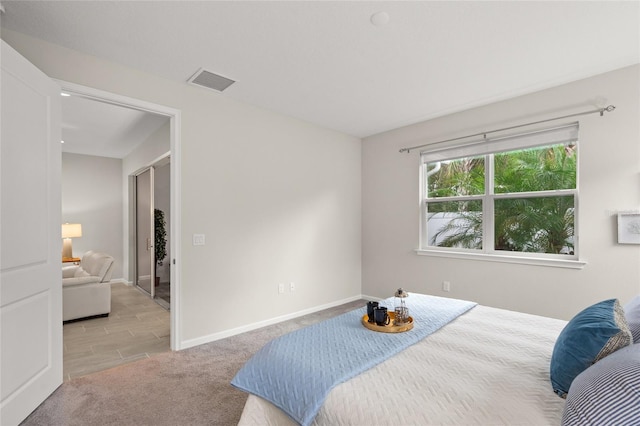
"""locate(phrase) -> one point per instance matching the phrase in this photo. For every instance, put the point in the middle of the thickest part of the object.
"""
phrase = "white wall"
(92, 196)
(277, 198)
(609, 181)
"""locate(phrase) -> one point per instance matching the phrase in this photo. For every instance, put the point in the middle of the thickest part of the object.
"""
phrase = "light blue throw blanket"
(295, 372)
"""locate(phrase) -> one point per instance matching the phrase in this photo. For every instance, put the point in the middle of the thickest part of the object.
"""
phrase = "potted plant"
(160, 241)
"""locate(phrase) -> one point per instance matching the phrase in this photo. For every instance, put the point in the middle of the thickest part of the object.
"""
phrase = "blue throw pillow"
(594, 333)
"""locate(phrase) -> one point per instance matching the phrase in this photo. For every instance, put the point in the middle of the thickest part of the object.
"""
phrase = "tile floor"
(137, 328)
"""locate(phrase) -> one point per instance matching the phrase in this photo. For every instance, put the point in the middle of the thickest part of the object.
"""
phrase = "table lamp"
(69, 231)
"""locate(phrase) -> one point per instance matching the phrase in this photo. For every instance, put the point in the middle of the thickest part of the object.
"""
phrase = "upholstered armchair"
(86, 288)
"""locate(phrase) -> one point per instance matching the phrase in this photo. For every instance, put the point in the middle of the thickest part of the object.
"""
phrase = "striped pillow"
(607, 393)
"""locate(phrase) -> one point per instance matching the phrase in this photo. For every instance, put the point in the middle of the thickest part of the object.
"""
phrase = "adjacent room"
(459, 178)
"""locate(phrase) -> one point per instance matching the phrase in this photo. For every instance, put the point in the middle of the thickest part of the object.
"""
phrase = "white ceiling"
(325, 62)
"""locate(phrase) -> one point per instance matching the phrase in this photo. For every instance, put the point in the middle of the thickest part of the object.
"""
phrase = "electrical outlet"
(280, 288)
(292, 287)
(446, 286)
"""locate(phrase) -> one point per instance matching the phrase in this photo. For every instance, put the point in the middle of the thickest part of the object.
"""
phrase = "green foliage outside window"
(523, 220)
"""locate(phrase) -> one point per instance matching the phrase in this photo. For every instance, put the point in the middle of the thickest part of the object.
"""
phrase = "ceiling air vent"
(210, 80)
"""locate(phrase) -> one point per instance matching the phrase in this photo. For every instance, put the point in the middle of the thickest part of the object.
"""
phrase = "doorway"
(174, 212)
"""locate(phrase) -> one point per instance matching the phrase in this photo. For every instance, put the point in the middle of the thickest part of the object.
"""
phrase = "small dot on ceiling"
(380, 18)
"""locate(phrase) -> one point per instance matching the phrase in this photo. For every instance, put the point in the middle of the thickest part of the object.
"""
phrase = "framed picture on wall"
(628, 228)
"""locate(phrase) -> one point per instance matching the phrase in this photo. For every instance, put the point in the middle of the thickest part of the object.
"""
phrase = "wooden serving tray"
(391, 328)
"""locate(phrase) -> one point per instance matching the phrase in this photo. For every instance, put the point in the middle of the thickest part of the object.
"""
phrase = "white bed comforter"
(488, 367)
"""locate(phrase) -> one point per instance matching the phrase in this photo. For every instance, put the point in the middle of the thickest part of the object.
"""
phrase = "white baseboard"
(371, 298)
(249, 327)
(120, 281)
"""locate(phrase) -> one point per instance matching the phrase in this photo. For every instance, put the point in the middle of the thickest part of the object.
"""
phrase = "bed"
(487, 366)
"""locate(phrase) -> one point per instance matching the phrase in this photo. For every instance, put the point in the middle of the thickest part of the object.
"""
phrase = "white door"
(30, 249)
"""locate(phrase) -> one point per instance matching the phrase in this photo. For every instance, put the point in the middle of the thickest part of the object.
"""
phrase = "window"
(511, 196)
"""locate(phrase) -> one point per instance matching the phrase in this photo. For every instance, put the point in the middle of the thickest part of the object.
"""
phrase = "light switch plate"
(198, 239)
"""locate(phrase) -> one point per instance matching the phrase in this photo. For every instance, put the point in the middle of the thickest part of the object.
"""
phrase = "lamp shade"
(71, 230)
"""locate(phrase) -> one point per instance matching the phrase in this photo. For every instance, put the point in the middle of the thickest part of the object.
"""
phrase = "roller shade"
(566, 134)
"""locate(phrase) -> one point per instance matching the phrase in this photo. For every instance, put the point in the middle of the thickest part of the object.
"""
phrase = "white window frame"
(488, 147)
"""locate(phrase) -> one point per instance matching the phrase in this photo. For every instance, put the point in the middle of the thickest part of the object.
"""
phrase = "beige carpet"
(189, 387)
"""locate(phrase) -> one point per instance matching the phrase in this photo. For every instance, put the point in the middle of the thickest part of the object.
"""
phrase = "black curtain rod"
(601, 111)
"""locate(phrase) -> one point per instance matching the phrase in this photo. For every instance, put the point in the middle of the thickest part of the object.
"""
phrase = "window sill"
(556, 263)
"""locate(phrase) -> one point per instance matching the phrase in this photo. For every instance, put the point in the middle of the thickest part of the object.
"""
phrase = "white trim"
(557, 263)
(371, 298)
(176, 161)
(115, 99)
(176, 227)
(256, 325)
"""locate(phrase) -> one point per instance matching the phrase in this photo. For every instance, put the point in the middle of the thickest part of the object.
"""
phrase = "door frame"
(174, 116)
